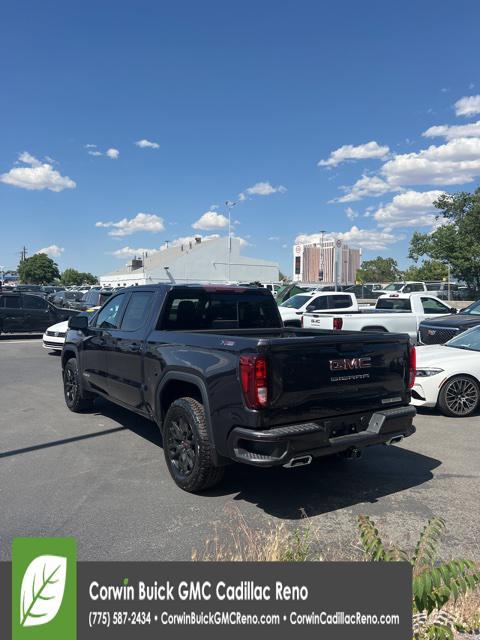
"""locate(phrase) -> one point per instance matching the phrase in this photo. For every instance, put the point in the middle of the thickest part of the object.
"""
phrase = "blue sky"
(243, 100)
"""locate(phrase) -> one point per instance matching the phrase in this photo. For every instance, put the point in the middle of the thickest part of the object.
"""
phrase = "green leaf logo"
(43, 586)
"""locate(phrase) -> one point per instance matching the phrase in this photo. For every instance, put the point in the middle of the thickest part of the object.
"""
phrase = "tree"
(457, 241)
(378, 270)
(428, 270)
(38, 269)
(73, 277)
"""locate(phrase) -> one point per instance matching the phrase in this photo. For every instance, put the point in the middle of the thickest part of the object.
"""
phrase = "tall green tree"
(73, 277)
(38, 269)
(457, 241)
(379, 270)
(428, 270)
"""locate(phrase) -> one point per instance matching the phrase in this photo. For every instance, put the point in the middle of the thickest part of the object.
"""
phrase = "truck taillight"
(412, 366)
(253, 376)
(338, 323)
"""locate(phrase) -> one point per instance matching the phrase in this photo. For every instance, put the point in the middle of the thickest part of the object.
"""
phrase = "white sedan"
(54, 336)
(448, 375)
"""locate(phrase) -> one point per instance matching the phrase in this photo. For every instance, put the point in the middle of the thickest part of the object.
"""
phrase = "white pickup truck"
(396, 312)
(316, 301)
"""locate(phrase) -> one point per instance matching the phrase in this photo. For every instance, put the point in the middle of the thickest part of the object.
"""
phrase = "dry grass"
(272, 542)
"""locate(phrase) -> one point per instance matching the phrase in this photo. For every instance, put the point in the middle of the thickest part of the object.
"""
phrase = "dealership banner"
(45, 594)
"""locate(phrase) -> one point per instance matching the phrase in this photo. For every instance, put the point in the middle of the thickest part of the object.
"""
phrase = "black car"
(24, 313)
(66, 298)
(93, 298)
(440, 330)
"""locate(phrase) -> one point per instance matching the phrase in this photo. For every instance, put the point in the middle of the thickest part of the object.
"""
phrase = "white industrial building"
(194, 261)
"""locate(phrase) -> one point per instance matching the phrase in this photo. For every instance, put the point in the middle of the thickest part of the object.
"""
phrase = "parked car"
(225, 381)
(28, 313)
(54, 336)
(92, 298)
(37, 289)
(293, 309)
(403, 287)
(398, 312)
(440, 330)
(448, 376)
(67, 298)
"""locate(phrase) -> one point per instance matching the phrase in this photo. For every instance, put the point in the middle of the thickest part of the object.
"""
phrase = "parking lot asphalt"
(101, 477)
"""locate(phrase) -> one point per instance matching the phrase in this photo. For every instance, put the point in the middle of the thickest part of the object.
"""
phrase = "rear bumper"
(281, 445)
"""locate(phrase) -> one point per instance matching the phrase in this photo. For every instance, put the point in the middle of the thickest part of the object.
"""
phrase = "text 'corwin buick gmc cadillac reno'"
(216, 370)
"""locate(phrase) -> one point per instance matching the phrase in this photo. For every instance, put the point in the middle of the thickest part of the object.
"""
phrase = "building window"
(297, 265)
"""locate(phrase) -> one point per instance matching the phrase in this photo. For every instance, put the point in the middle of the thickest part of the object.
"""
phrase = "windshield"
(395, 286)
(468, 340)
(472, 310)
(296, 301)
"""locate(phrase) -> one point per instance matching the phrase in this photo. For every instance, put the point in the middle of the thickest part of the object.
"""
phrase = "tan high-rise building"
(330, 262)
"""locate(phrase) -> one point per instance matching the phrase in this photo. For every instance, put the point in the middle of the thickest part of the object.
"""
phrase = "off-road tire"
(187, 447)
(75, 400)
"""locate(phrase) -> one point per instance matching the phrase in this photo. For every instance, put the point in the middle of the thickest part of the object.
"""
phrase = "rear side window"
(110, 315)
(397, 304)
(190, 310)
(11, 302)
(339, 302)
(137, 311)
(34, 302)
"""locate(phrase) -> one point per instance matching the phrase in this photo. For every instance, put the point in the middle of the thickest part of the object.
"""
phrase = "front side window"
(138, 310)
(434, 306)
(109, 317)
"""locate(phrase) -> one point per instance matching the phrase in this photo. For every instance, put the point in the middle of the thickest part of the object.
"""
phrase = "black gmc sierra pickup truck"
(214, 367)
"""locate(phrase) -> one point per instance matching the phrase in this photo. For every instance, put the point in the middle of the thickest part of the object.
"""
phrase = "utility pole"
(23, 253)
(229, 204)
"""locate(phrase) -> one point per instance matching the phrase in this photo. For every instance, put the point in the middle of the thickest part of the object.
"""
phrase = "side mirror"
(79, 323)
(454, 309)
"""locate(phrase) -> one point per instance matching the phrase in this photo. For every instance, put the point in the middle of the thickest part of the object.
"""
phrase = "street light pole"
(229, 204)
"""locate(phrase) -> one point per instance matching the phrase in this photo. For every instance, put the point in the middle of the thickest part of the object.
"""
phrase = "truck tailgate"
(336, 374)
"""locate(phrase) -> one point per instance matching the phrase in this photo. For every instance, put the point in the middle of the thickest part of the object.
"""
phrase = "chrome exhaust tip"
(301, 461)
(394, 440)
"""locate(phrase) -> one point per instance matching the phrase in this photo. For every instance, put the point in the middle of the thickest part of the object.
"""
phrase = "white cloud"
(366, 186)
(128, 252)
(261, 189)
(372, 239)
(94, 153)
(90, 146)
(39, 175)
(409, 209)
(467, 106)
(141, 222)
(211, 220)
(471, 130)
(147, 144)
(349, 152)
(351, 213)
(455, 162)
(112, 153)
(53, 251)
(274, 238)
